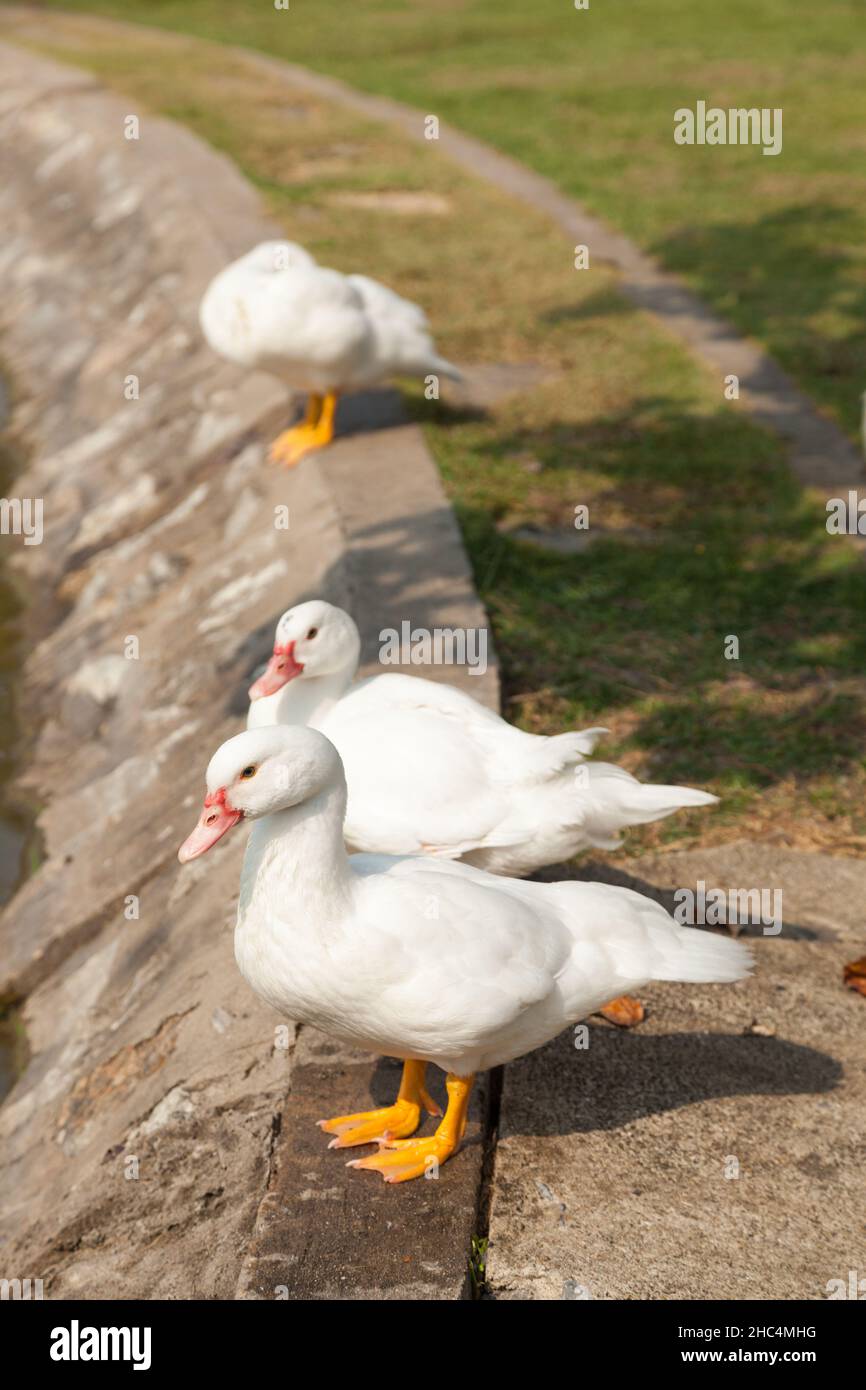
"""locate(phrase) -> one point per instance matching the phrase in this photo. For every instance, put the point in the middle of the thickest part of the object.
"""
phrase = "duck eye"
(249, 772)
(312, 632)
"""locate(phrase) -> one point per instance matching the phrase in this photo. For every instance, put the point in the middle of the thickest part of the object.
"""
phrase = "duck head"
(312, 639)
(257, 773)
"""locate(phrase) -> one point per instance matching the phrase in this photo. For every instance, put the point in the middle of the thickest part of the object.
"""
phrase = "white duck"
(429, 961)
(275, 310)
(431, 771)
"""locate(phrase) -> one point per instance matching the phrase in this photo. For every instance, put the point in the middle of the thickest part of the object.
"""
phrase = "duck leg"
(392, 1121)
(289, 447)
(401, 1159)
(314, 432)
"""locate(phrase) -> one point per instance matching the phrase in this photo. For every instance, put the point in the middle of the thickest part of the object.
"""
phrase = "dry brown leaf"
(855, 975)
(625, 1012)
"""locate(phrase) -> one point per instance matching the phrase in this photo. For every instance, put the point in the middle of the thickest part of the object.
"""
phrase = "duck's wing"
(419, 782)
(394, 692)
(310, 315)
(530, 757)
(477, 970)
(384, 303)
(428, 767)
(623, 938)
(432, 771)
(404, 344)
(456, 954)
(286, 320)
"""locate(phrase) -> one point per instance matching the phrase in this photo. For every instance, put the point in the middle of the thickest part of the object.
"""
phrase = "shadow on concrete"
(622, 1077)
(385, 408)
(370, 410)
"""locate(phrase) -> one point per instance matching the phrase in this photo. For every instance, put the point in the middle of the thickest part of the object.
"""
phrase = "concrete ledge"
(326, 1232)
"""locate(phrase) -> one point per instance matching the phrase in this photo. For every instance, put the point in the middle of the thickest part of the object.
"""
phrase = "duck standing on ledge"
(432, 771)
(351, 945)
(275, 310)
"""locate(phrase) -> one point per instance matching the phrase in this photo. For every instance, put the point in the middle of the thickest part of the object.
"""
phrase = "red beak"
(281, 669)
(214, 821)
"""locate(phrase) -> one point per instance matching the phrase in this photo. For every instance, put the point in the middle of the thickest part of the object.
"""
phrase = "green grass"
(701, 530)
(778, 245)
(478, 1265)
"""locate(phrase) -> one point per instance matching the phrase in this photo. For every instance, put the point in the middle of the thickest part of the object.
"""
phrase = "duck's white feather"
(276, 310)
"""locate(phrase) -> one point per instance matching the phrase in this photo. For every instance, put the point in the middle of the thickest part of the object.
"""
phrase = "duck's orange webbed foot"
(315, 431)
(391, 1121)
(398, 1160)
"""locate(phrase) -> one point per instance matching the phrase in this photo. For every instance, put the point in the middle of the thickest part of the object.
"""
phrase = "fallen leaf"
(625, 1012)
(855, 975)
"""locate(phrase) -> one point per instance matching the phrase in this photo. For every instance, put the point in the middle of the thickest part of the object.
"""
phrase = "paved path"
(715, 1151)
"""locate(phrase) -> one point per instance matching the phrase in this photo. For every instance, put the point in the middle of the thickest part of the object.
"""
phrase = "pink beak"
(281, 669)
(214, 821)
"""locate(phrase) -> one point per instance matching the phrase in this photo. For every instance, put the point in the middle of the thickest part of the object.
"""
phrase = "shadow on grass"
(735, 549)
(602, 304)
(792, 280)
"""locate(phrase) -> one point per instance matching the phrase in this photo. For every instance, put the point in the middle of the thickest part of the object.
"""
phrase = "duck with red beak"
(318, 643)
(235, 792)
(348, 944)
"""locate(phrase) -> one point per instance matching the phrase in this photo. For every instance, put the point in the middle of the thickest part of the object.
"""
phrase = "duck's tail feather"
(695, 956)
(615, 800)
(443, 367)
